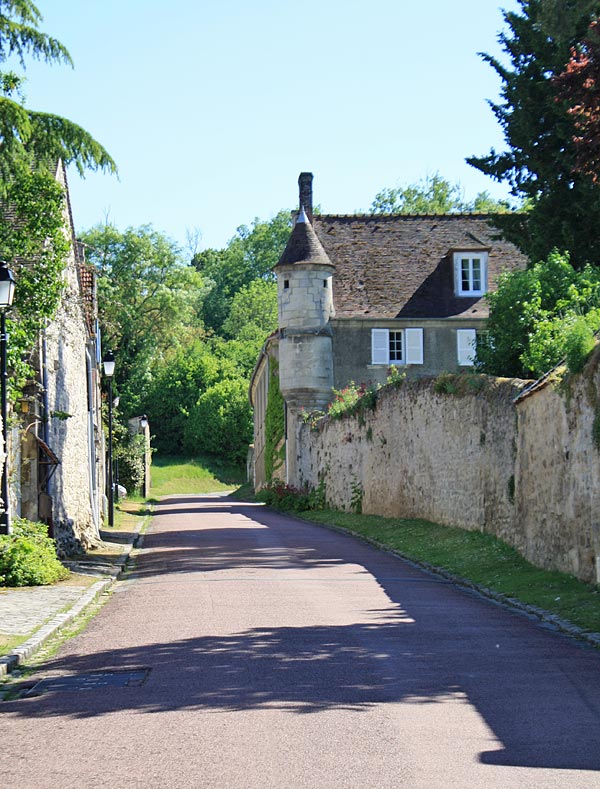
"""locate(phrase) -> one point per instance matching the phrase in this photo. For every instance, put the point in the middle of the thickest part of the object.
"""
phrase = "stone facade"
(61, 470)
(520, 465)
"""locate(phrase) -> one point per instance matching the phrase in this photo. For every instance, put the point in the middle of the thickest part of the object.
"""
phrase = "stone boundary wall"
(526, 471)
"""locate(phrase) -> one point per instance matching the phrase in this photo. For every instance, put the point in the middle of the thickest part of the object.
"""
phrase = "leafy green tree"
(249, 255)
(180, 377)
(433, 195)
(539, 160)
(221, 422)
(253, 311)
(149, 299)
(535, 314)
(30, 138)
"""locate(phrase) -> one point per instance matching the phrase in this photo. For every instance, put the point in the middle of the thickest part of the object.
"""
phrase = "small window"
(324, 283)
(390, 346)
(395, 347)
(286, 284)
(470, 273)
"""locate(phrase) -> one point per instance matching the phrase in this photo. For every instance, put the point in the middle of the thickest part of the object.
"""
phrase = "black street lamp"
(109, 371)
(7, 292)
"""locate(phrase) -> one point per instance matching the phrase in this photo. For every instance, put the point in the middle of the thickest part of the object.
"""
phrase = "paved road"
(264, 652)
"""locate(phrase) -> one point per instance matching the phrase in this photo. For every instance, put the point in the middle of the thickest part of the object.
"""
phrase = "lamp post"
(7, 292)
(109, 371)
(143, 426)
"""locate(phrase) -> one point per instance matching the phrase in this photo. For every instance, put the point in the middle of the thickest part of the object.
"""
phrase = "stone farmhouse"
(56, 457)
(360, 293)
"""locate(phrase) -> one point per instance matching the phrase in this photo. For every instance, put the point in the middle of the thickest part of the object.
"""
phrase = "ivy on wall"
(274, 424)
(34, 244)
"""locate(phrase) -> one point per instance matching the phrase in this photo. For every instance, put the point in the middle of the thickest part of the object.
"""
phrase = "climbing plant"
(274, 424)
(33, 241)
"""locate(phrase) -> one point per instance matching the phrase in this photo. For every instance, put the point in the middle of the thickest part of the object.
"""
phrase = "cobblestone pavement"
(23, 610)
(33, 614)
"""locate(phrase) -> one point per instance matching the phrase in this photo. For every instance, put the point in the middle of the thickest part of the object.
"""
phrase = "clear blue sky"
(211, 108)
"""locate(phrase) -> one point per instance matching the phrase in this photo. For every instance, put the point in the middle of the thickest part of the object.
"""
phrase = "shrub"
(579, 343)
(221, 422)
(28, 556)
(284, 497)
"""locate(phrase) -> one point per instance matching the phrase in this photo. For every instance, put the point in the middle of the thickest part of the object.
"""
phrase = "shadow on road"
(537, 691)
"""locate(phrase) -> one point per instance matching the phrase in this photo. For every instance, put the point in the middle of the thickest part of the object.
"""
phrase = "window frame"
(412, 346)
(470, 255)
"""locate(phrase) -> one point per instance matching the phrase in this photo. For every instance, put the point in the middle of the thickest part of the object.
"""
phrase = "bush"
(285, 497)
(28, 556)
(579, 343)
(221, 422)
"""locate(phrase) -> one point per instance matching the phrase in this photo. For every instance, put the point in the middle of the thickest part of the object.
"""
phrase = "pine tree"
(540, 160)
(28, 137)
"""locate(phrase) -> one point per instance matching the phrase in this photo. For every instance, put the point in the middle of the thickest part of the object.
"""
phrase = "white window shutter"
(465, 346)
(414, 346)
(380, 346)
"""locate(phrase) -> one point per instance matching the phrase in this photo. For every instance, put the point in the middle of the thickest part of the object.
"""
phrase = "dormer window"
(470, 273)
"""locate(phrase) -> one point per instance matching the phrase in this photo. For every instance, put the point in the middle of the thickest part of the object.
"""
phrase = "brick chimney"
(305, 187)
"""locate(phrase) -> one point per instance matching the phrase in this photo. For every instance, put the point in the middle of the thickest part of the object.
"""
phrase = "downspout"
(45, 405)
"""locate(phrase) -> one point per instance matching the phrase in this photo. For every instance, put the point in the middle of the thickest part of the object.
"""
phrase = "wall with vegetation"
(458, 450)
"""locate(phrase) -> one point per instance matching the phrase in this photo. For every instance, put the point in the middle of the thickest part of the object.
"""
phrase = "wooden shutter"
(465, 346)
(380, 346)
(414, 346)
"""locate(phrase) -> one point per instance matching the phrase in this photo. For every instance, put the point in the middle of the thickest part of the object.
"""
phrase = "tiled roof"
(402, 266)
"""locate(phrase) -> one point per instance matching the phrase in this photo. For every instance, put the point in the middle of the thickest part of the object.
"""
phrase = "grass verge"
(480, 558)
(174, 475)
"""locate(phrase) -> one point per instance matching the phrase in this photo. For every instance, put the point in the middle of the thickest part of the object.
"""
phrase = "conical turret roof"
(303, 246)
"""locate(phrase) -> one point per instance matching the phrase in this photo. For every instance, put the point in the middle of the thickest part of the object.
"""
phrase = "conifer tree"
(539, 162)
(28, 137)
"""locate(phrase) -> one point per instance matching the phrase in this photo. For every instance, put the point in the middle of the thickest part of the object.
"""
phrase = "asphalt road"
(250, 650)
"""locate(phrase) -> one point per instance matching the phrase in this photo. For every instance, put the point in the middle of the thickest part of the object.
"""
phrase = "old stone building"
(58, 451)
(360, 293)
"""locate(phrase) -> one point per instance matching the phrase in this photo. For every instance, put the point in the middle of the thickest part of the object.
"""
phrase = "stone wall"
(527, 471)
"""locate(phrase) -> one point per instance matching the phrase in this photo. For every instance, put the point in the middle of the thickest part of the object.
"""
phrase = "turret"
(305, 302)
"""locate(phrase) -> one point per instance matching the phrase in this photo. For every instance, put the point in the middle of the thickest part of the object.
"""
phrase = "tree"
(149, 300)
(539, 160)
(433, 195)
(253, 311)
(30, 138)
(535, 316)
(579, 87)
(249, 255)
(221, 422)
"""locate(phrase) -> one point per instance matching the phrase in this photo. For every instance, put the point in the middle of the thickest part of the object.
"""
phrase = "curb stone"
(549, 620)
(111, 573)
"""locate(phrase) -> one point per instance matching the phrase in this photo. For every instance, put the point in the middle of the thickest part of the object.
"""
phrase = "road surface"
(249, 650)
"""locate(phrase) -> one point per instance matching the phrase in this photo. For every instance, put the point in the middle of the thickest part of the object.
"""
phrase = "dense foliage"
(28, 556)
(540, 316)
(32, 237)
(149, 301)
(539, 162)
(579, 87)
(186, 337)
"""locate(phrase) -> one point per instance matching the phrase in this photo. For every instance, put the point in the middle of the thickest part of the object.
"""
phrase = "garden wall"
(475, 453)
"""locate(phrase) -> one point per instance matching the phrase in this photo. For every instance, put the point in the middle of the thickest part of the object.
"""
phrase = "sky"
(212, 108)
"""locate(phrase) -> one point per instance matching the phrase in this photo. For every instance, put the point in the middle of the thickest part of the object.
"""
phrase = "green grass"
(173, 475)
(480, 558)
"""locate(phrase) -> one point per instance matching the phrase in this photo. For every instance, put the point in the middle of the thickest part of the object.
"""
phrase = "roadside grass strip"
(180, 475)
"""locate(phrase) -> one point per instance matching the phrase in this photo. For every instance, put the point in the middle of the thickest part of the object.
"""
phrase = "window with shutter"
(397, 347)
